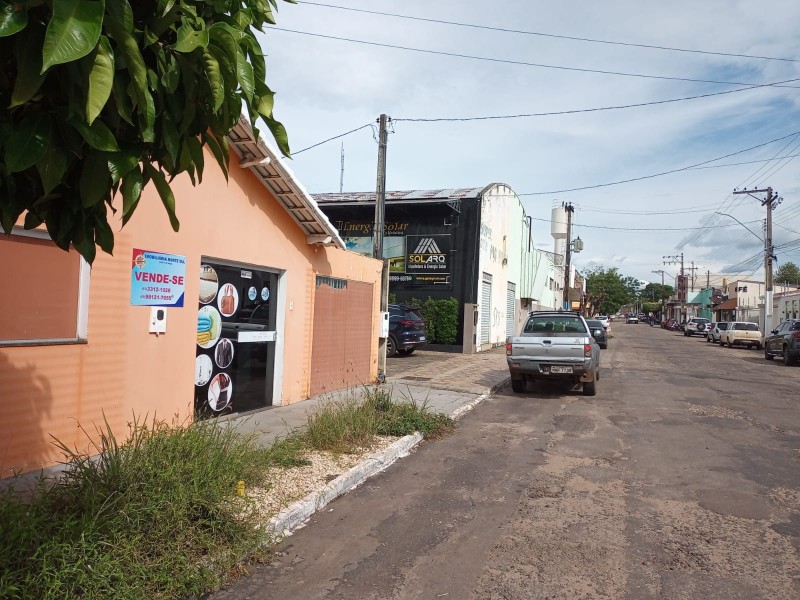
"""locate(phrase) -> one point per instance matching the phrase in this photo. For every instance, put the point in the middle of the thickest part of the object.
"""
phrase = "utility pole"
(568, 254)
(341, 172)
(681, 283)
(708, 279)
(377, 248)
(771, 202)
(693, 275)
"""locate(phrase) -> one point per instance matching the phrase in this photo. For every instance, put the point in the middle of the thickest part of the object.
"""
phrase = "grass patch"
(157, 515)
(154, 517)
(349, 425)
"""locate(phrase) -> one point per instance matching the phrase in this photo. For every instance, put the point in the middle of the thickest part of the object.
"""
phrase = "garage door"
(511, 312)
(342, 338)
(486, 307)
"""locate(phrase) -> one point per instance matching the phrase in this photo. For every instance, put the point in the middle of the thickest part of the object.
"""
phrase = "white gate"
(486, 308)
(511, 312)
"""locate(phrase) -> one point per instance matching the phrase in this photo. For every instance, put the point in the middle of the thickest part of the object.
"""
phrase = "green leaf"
(189, 39)
(102, 233)
(29, 66)
(94, 184)
(129, 49)
(244, 71)
(13, 18)
(132, 185)
(165, 192)
(98, 135)
(73, 31)
(147, 117)
(52, 167)
(121, 11)
(214, 79)
(171, 76)
(171, 137)
(27, 143)
(122, 99)
(32, 221)
(196, 152)
(217, 151)
(101, 79)
(280, 135)
(121, 163)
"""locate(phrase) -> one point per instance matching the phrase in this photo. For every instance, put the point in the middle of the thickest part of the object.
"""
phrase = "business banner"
(429, 254)
(157, 279)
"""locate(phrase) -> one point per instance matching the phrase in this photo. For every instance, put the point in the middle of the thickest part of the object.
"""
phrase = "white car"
(740, 333)
(604, 320)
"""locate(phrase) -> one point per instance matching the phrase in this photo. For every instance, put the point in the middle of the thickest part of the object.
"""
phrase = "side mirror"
(774, 331)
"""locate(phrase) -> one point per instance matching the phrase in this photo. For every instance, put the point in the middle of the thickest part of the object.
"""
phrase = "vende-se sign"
(157, 279)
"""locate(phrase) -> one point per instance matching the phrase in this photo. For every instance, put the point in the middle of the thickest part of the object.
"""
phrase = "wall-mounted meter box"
(384, 325)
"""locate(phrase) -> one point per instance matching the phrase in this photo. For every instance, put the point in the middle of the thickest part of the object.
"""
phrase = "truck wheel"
(590, 387)
(518, 385)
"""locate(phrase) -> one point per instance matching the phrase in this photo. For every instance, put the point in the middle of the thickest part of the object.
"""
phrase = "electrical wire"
(671, 171)
(518, 62)
(575, 224)
(587, 110)
(336, 137)
(548, 35)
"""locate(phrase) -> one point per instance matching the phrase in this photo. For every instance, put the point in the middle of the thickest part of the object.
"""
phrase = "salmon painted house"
(255, 303)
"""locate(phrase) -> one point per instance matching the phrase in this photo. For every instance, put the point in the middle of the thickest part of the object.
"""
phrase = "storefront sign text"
(157, 279)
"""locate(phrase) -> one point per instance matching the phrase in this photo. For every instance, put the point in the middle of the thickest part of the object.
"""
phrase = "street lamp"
(758, 237)
(662, 272)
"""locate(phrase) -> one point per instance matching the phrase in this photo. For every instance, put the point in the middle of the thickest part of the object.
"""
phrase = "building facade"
(184, 325)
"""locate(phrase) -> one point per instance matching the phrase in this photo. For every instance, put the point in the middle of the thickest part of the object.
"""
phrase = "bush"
(153, 517)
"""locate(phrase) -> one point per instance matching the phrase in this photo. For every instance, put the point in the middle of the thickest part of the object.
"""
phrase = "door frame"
(280, 321)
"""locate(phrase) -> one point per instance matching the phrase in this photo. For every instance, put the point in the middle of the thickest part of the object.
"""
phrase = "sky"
(516, 58)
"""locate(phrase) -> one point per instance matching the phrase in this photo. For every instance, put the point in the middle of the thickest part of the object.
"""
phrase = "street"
(679, 480)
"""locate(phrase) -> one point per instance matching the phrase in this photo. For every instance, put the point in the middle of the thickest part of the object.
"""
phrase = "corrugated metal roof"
(278, 178)
(400, 196)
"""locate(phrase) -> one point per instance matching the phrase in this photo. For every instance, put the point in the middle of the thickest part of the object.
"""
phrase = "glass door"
(236, 326)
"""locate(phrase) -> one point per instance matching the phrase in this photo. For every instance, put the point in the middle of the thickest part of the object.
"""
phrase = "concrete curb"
(298, 513)
(295, 515)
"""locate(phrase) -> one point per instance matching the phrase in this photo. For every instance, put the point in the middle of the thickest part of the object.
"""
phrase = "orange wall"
(124, 370)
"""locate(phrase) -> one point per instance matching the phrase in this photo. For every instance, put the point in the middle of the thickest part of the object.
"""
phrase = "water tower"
(558, 229)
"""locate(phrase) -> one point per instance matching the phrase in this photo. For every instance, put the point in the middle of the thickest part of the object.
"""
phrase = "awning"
(729, 304)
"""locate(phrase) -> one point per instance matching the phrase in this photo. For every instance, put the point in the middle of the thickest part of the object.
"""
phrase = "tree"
(607, 290)
(655, 292)
(105, 97)
(788, 273)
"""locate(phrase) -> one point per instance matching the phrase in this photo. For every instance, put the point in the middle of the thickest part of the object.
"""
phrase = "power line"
(671, 171)
(549, 35)
(336, 137)
(517, 62)
(630, 228)
(589, 110)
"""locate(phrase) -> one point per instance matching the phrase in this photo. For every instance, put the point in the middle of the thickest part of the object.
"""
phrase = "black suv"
(784, 341)
(407, 330)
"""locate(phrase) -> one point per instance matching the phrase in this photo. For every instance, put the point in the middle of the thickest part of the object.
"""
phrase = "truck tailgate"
(548, 349)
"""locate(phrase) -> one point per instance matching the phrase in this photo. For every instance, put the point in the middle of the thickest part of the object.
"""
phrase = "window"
(553, 324)
(45, 297)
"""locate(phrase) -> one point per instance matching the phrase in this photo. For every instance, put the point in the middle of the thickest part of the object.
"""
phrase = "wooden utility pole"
(680, 284)
(377, 247)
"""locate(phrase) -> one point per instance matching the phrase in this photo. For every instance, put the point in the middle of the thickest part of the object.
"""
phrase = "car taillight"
(407, 323)
(587, 351)
(796, 335)
(508, 349)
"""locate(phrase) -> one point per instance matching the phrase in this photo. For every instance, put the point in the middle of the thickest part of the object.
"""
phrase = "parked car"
(715, 331)
(604, 320)
(740, 333)
(407, 330)
(554, 345)
(784, 341)
(695, 325)
(598, 332)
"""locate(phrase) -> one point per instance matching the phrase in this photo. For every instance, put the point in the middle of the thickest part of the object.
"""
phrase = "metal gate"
(342, 344)
(486, 308)
(511, 309)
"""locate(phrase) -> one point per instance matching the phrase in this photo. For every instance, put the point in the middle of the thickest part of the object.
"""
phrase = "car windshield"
(722, 325)
(702, 321)
(594, 324)
(411, 314)
(745, 326)
(554, 324)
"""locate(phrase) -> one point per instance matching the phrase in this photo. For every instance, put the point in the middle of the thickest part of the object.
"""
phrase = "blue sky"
(326, 87)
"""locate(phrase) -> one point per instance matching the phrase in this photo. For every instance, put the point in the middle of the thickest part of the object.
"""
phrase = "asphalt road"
(679, 480)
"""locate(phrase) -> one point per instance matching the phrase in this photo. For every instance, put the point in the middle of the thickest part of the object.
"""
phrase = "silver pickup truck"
(554, 345)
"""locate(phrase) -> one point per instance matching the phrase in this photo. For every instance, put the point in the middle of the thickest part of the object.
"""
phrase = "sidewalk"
(447, 382)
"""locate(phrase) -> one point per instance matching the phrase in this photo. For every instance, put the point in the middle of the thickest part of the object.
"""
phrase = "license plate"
(422, 338)
(557, 369)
